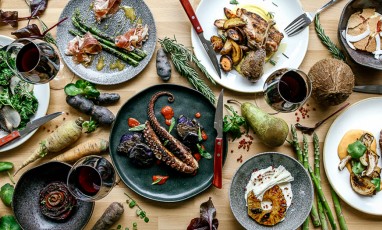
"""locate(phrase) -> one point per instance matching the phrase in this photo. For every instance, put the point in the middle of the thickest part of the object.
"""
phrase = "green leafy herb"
(172, 124)
(273, 62)
(182, 57)
(82, 87)
(233, 122)
(6, 194)
(9, 222)
(234, 2)
(138, 128)
(203, 152)
(90, 126)
(5, 166)
(200, 138)
(142, 214)
(377, 183)
(333, 49)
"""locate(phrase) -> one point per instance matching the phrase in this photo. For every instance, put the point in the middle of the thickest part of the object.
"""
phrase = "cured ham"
(105, 8)
(133, 38)
(80, 48)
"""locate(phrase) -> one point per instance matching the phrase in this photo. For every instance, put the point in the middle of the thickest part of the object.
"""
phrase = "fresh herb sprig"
(333, 49)
(132, 203)
(234, 2)
(182, 57)
(233, 122)
(90, 125)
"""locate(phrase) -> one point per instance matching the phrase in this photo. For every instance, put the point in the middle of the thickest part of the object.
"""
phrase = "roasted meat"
(255, 31)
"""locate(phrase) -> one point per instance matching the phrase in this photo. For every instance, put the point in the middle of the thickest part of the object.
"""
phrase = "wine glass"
(33, 60)
(285, 90)
(91, 178)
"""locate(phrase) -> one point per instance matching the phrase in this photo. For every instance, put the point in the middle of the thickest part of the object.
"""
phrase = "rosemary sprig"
(181, 58)
(333, 49)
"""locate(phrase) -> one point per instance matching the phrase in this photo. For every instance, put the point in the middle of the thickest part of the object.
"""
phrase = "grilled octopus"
(179, 152)
(162, 153)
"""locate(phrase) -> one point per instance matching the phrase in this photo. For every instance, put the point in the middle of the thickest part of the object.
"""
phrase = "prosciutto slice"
(133, 38)
(80, 48)
(105, 8)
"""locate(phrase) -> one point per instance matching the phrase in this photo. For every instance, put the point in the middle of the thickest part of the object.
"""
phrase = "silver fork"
(304, 20)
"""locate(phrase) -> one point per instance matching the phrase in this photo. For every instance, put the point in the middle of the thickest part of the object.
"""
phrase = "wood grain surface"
(171, 20)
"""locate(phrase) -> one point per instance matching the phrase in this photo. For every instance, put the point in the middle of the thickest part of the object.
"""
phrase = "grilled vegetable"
(233, 22)
(217, 43)
(138, 152)
(237, 53)
(219, 23)
(235, 36)
(229, 13)
(226, 63)
(362, 185)
(227, 48)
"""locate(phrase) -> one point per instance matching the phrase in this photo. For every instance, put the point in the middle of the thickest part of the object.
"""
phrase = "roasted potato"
(226, 63)
(229, 13)
(235, 35)
(227, 48)
(237, 53)
(217, 43)
(233, 22)
(219, 23)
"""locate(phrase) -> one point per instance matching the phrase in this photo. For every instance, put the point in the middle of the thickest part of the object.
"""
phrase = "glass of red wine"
(286, 90)
(33, 60)
(91, 178)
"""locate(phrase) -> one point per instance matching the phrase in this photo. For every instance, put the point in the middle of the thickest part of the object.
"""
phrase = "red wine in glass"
(88, 180)
(91, 178)
(285, 90)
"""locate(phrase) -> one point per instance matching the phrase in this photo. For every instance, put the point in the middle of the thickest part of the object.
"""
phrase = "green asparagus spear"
(106, 42)
(337, 207)
(321, 213)
(113, 51)
(313, 212)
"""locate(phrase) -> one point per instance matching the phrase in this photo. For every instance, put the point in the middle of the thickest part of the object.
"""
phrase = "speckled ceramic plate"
(302, 189)
(179, 186)
(109, 25)
(25, 203)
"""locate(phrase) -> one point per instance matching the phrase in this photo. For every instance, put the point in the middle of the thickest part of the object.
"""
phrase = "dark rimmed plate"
(106, 76)
(302, 189)
(179, 186)
(359, 57)
(26, 206)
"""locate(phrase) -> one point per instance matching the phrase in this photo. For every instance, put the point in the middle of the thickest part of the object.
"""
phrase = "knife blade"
(29, 127)
(377, 89)
(207, 45)
(218, 152)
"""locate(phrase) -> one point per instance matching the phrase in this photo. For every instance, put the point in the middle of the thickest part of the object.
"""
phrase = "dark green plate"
(179, 186)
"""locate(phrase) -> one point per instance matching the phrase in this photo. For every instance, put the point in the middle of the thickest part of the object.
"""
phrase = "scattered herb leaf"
(90, 126)
(234, 2)
(233, 122)
(138, 128)
(172, 124)
(207, 219)
(38, 7)
(158, 179)
(132, 203)
(203, 151)
(82, 87)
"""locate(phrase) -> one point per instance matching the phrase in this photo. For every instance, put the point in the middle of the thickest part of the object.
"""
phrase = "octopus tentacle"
(173, 144)
(162, 153)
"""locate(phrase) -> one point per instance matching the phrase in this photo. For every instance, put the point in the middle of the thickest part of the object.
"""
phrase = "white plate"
(365, 115)
(284, 11)
(42, 93)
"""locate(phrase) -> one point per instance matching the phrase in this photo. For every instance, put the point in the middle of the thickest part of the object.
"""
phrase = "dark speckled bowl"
(26, 199)
(302, 189)
(359, 57)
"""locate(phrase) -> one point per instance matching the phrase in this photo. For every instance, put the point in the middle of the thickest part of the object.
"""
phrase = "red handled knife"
(30, 126)
(218, 153)
(198, 28)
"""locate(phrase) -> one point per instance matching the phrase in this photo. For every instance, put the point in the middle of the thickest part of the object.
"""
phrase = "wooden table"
(171, 20)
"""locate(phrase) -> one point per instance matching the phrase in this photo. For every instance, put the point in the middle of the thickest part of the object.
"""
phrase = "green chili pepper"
(6, 194)
(357, 167)
(377, 183)
(356, 149)
(5, 166)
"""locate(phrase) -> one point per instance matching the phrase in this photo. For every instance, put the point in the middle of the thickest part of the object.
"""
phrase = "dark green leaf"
(132, 204)
(377, 183)
(203, 152)
(234, 2)
(72, 90)
(9, 222)
(172, 124)
(357, 167)
(146, 219)
(6, 194)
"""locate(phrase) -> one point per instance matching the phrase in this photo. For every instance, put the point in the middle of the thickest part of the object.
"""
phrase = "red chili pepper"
(158, 179)
(132, 122)
(204, 135)
(197, 156)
